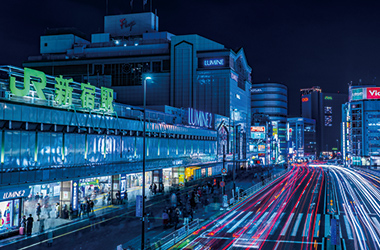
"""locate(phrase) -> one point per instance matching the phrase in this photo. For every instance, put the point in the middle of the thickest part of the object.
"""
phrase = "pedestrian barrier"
(175, 237)
(258, 186)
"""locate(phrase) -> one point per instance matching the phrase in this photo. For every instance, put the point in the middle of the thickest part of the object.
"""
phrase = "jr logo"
(124, 23)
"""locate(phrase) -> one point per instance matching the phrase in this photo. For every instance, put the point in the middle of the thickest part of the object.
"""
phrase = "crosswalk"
(293, 225)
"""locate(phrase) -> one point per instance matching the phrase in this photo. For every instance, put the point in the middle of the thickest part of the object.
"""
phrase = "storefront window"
(167, 176)
(6, 213)
(94, 188)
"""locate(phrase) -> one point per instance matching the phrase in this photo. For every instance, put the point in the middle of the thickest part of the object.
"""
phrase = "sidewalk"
(154, 204)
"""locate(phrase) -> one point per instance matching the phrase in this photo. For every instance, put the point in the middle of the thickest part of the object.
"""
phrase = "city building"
(187, 71)
(272, 99)
(301, 138)
(361, 126)
(259, 143)
(64, 142)
(325, 109)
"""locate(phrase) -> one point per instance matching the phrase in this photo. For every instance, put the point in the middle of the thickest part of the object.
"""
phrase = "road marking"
(317, 225)
(306, 226)
(257, 223)
(298, 222)
(223, 220)
(276, 225)
(287, 224)
(327, 225)
(240, 221)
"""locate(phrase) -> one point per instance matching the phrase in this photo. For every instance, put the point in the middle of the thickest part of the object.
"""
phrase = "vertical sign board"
(123, 185)
(139, 206)
(335, 234)
(225, 201)
(74, 197)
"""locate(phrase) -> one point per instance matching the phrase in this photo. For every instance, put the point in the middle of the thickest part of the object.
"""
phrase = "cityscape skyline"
(300, 46)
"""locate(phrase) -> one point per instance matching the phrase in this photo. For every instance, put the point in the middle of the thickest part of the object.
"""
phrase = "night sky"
(298, 43)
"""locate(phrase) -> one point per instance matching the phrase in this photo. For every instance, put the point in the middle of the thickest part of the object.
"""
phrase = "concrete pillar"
(65, 198)
(115, 187)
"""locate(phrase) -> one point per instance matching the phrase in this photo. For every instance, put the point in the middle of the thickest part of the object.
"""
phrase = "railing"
(258, 186)
(175, 237)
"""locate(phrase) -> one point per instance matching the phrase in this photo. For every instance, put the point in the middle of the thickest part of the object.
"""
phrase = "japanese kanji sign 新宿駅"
(36, 81)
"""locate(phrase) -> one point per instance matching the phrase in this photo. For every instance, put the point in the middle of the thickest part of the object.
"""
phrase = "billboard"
(213, 62)
(373, 93)
(258, 129)
(357, 94)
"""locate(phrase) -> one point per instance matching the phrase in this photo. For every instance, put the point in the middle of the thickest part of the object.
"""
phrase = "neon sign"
(258, 129)
(213, 62)
(305, 99)
(373, 93)
(328, 98)
(199, 118)
(63, 90)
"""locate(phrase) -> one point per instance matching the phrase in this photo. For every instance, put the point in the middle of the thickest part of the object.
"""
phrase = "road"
(297, 211)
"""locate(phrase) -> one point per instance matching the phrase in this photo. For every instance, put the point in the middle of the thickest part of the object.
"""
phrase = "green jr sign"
(63, 92)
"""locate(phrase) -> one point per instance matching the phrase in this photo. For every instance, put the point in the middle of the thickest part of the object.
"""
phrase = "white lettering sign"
(15, 194)
(213, 62)
(199, 118)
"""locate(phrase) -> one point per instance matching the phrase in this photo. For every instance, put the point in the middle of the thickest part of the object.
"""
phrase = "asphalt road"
(312, 207)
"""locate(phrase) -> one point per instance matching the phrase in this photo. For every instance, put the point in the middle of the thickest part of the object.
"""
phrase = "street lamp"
(143, 184)
(234, 144)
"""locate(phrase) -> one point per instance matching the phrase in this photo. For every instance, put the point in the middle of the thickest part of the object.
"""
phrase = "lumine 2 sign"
(62, 90)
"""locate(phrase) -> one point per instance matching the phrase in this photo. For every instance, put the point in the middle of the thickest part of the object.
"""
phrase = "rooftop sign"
(64, 93)
(373, 93)
(199, 118)
(215, 62)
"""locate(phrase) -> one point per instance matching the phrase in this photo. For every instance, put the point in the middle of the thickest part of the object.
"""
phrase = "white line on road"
(348, 228)
(306, 227)
(287, 224)
(298, 221)
(240, 221)
(257, 223)
(327, 225)
(276, 225)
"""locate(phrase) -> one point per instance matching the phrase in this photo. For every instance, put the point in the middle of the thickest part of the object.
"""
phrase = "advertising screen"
(328, 110)
(373, 93)
(328, 120)
(258, 129)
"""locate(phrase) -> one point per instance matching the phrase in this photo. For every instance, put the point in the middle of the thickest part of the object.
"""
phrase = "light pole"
(234, 152)
(143, 184)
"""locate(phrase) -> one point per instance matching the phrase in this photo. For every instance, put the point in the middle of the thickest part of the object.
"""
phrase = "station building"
(187, 71)
(64, 141)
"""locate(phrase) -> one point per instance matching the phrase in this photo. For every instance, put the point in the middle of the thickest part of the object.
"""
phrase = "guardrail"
(258, 186)
(175, 237)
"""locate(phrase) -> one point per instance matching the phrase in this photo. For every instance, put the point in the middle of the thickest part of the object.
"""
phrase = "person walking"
(118, 197)
(176, 218)
(92, 206)
(29, 225)
(165, 219)
(154, 188)
(22, 225)
(38, 211)
(57, 209)
(88, 208)
(185, 214)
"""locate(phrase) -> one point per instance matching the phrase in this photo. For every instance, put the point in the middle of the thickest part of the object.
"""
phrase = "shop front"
(10, 207)
(178, 176)
(94, 189)
(47, 194)
(190, 173)
(167, 177)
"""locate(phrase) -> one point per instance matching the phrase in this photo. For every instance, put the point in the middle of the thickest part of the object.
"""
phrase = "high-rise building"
(272, 99)
(302, 137)
(325, 109)
(360, 126)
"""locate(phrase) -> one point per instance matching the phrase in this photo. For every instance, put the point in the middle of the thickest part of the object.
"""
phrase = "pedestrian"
(29, 225)
(57, 210)
(92, 205)
(71, 211)
(38, 211)
(46, 200)
(176, 218)
(109, 198)
(118, 197)
(81, 209)
(151, 188)
(42, 225)
(37, 197)
(88, 208)
(165, 218)
(22, 225)
(50, 238)
(185, 215)
(154, 188)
